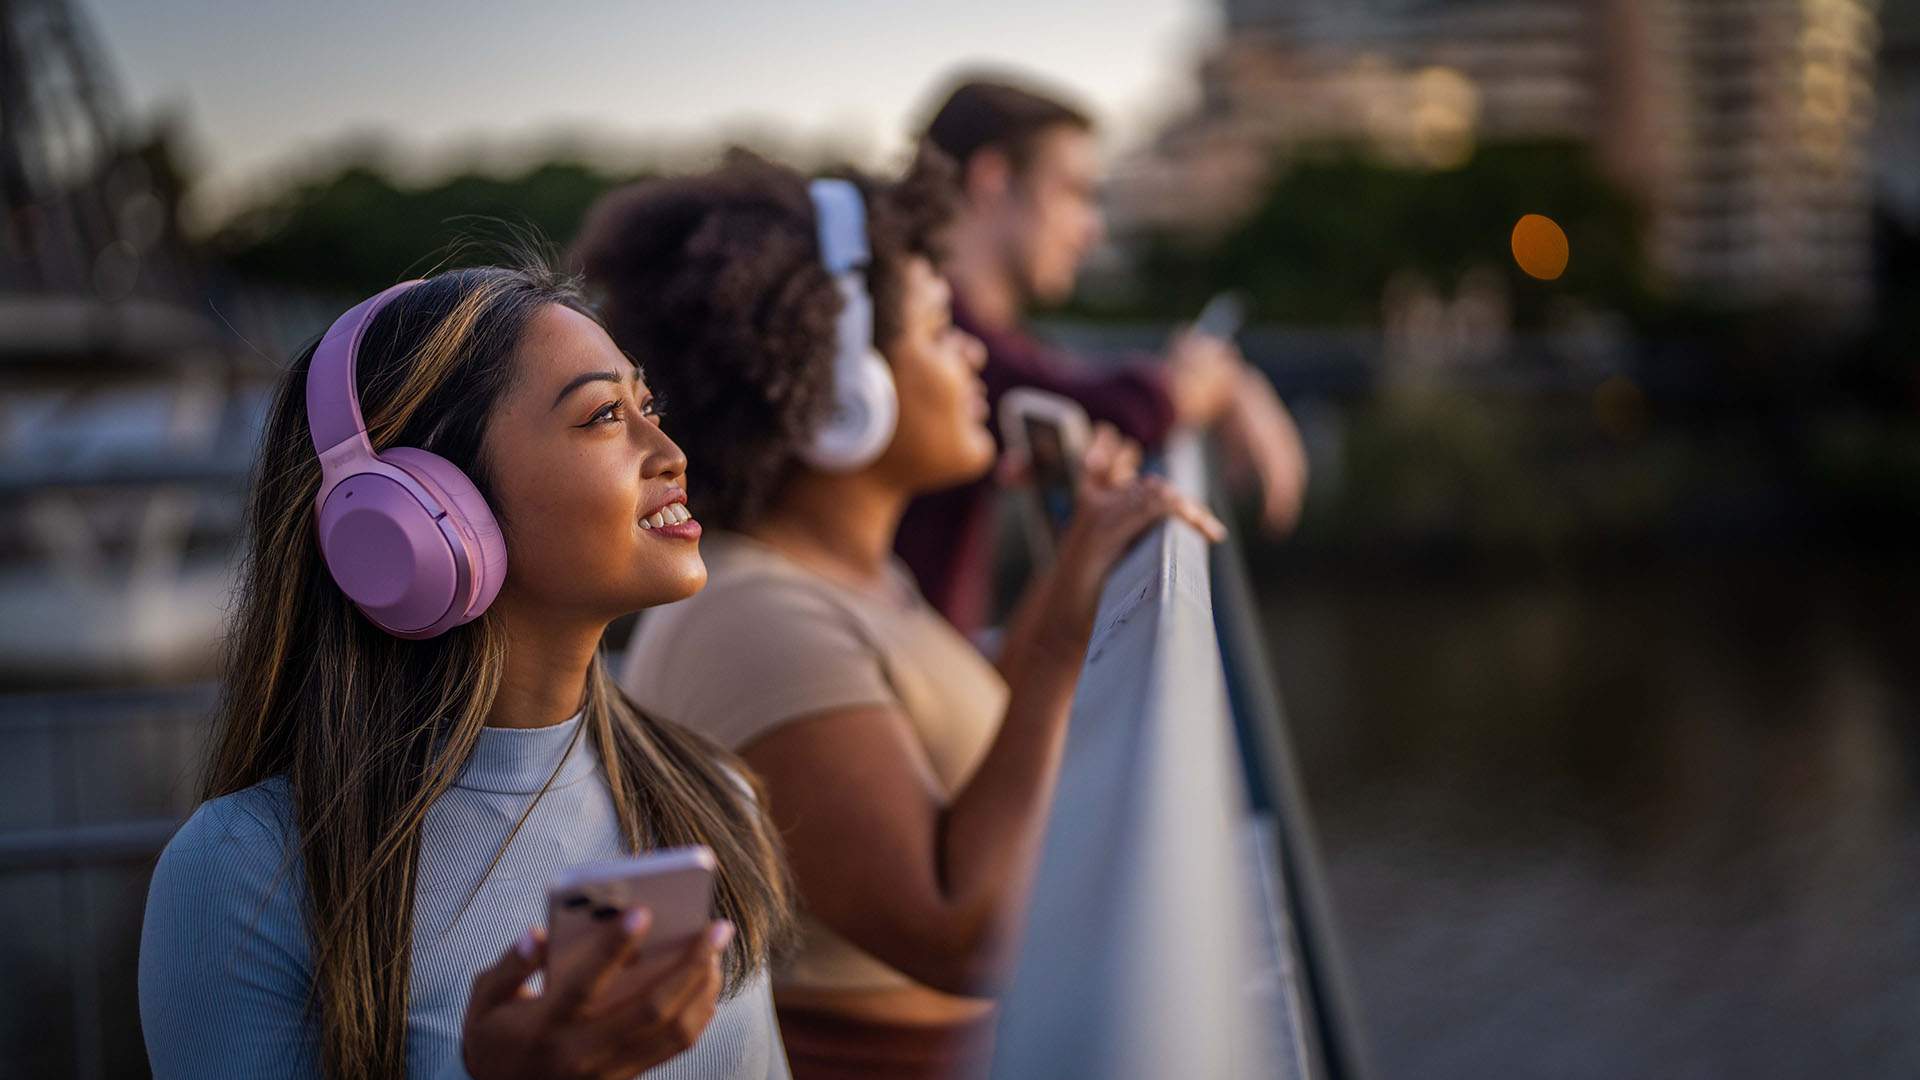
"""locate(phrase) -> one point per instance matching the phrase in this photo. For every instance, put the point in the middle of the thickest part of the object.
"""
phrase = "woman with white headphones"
(805, 343)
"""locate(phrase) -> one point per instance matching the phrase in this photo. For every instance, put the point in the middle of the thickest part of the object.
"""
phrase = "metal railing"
(91, 786)
(1177, 925)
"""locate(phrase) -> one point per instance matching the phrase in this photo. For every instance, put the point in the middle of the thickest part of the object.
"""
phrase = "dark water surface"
(1655, 820)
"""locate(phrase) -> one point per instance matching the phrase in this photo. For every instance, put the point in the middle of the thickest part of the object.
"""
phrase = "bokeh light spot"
(1540, 247)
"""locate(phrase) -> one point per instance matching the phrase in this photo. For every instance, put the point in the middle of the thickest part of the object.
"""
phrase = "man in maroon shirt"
(1029, 179)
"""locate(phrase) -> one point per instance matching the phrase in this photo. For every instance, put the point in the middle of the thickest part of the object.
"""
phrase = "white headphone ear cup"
(880, 402)
(866, 409)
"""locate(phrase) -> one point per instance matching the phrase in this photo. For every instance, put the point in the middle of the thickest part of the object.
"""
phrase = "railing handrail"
(121, 472)
(97, 707)
(68, 715)
(1145, 930)
(58, 846)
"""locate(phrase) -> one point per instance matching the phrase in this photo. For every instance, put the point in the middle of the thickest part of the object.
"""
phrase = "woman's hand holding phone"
(589, 1022)
(1113, 505)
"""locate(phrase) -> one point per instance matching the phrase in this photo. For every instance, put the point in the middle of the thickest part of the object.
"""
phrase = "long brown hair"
(368, 730)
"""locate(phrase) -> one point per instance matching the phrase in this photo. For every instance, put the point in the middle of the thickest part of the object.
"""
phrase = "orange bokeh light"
(1540, 247)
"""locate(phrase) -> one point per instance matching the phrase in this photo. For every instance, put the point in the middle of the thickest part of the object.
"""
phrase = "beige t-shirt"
(769, 641)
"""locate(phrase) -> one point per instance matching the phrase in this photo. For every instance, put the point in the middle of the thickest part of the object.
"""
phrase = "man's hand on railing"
(1215, 389)
(1203, 376)
(1263, 445)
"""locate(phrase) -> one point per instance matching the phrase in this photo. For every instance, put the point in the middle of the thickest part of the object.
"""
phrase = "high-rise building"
(1420, 82)
(1740, 124)
(1896, 134)
(1767, 193)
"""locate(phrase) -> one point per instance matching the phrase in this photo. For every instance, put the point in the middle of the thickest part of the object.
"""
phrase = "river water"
(1658, 819)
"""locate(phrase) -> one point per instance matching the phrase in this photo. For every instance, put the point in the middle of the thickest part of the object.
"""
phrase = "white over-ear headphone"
(865, 405)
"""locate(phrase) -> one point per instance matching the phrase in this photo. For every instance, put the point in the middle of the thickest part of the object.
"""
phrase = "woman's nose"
(660, 455)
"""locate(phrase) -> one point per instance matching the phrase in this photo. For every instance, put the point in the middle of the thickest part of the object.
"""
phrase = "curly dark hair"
(713, 283)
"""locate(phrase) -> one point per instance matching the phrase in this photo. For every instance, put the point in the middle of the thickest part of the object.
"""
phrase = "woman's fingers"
(677, 1004)
(1111, 461)
(681, 1018)
(1152, 499)
(683, 1026)
(591, 974)
(665, 990)
(583, 1034)
(1103, 448)
(503, 980)
(1167, 501)
(1127, 466)
(1201, 518)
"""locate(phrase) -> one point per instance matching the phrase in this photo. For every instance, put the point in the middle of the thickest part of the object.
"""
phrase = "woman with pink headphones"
(458, 489)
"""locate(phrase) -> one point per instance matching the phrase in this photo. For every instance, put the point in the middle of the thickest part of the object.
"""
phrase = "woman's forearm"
(1024, 627)
(992, 829)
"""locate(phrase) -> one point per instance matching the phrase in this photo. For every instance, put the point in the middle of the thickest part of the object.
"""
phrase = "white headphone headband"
(842, 223)
(865, 406)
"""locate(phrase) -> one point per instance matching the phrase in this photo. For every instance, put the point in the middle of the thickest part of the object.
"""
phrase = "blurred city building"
(1896, 133)
(1741, 126)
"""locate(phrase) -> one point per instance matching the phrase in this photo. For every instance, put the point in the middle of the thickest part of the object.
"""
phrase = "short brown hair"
(984, 113)
(713, 283)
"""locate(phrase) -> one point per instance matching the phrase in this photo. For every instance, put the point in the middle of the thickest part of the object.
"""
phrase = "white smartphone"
(1051, 432)
(585, 906)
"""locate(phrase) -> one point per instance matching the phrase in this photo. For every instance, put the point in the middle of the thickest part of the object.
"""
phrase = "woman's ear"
(988, 175)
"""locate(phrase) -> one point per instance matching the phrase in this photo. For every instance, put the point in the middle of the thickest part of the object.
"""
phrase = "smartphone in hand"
(586, 905)
(1051, 432)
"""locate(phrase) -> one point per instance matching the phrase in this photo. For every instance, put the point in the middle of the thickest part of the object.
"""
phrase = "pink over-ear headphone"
(405, 534)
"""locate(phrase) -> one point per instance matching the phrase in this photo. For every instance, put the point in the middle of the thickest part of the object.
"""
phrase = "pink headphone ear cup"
(398, 564)
(470, 514)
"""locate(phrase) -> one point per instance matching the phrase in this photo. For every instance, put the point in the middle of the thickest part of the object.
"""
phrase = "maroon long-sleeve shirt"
(947, 538)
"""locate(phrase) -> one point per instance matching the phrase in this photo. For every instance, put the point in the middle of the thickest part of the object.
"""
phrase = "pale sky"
(270, 86)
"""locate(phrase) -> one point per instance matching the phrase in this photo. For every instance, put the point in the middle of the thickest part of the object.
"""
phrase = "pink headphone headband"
(333, 404)
(404, 533)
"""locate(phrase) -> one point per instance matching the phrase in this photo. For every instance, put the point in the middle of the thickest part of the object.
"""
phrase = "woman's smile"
(671, 520)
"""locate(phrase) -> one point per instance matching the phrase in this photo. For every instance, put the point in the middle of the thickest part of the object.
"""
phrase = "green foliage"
(357, 230)
(1337, 225)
